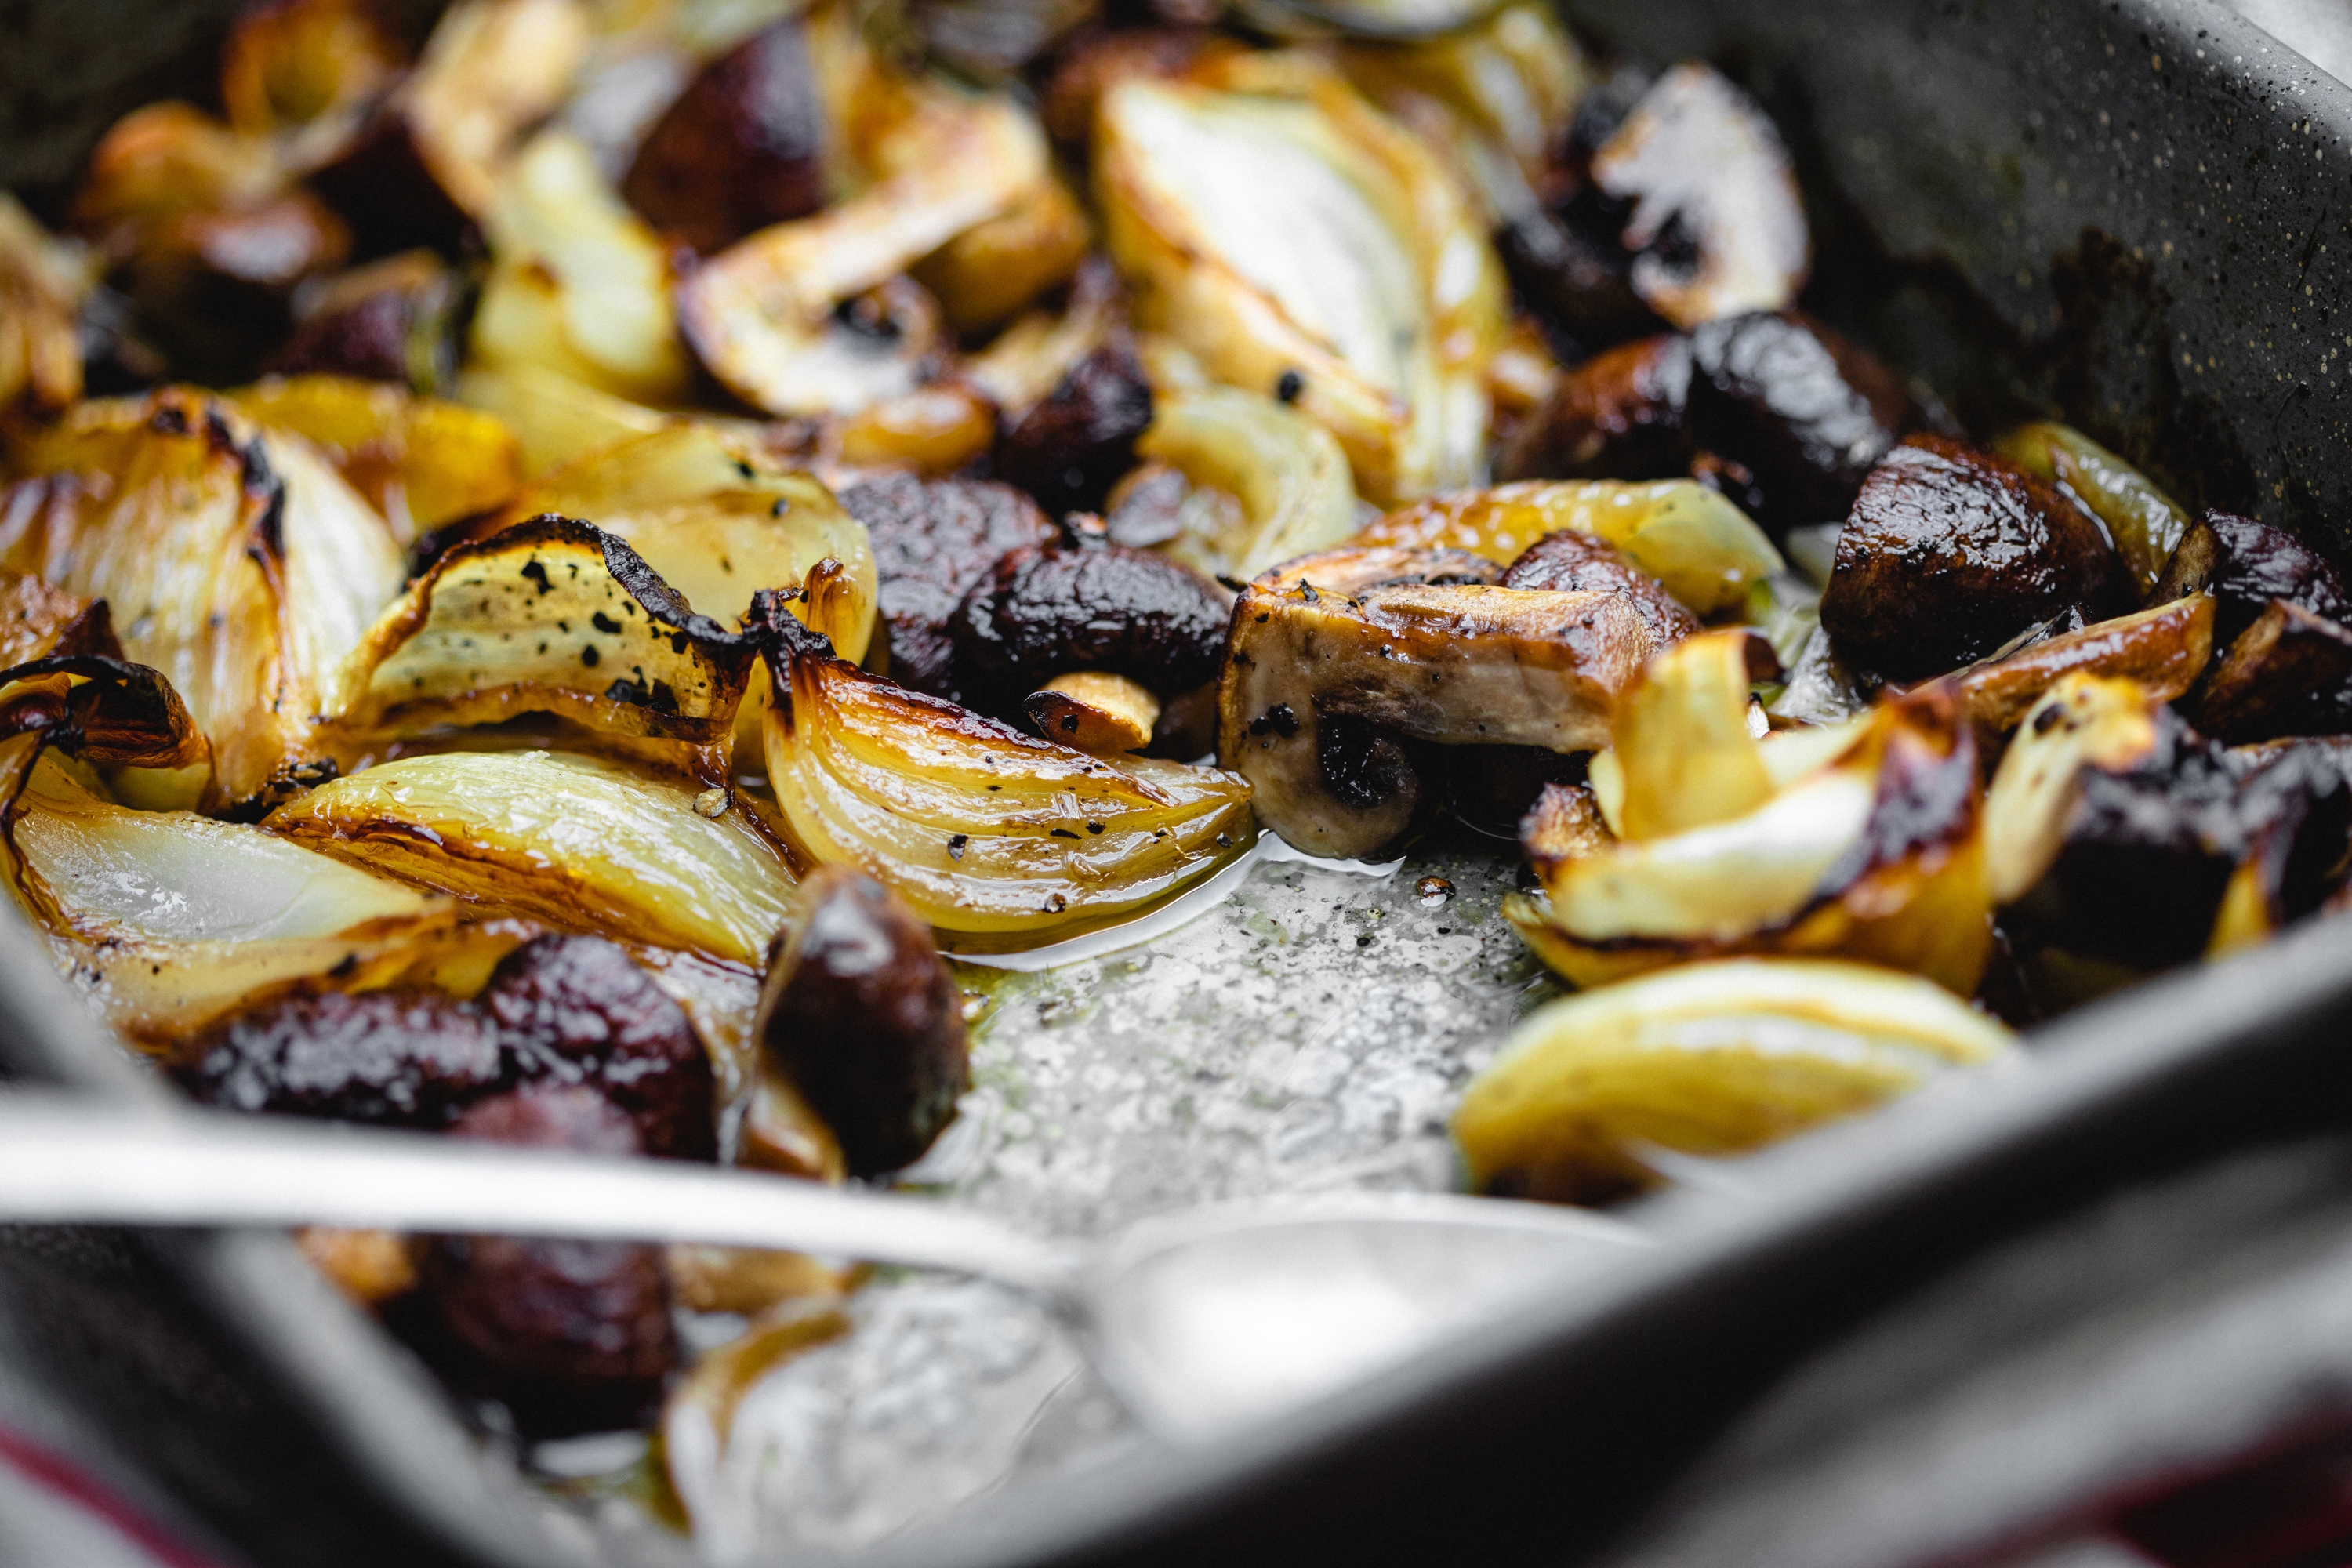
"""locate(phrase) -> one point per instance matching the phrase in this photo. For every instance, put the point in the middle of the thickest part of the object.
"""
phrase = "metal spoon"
(1199, 1320)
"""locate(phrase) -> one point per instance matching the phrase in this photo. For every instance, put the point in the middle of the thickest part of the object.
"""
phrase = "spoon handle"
(68, 1161)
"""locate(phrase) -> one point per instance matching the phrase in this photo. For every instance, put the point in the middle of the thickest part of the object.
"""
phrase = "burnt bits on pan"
(1950, 552)
(934, 541)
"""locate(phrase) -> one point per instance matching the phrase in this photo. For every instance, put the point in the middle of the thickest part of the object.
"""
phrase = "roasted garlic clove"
(742, 147)
(2164, 649)
(1711, 1059)
(1287, 234)
(1323, 693)
(427, 166)
(1699, 545)
(863, 1016)
(1950, 552)
(933, 542)
(1286, 477)
(1045, 610)
(1099, 713)
(2145, 524)
(579, 844)
(1862, 841)
(419, 462)
(2245, 565)
(1718, 226)
(239, 565)
(44, 281)
(979, 827)
(2114, 831)
(550, 617)
(578, 284)
(1805, 412)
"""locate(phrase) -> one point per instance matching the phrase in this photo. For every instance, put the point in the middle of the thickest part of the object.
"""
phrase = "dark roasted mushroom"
(578, 1009)
(1572, 561)
(573, 1336)
(2289, 673)
(741, 148)
(2246, 565)
(933, 542)
(1950, 551)
(400, 1059)
(1069, 450)
(1046, 610)
(1804, 411)
(1620, 414)
(863, 1017)
(396, 320)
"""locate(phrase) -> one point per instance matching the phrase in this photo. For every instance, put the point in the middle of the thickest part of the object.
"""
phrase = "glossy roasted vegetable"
(2145, 523)
(2165, 649)
(1699, 545)
(1047, 610)
(550, 617)
(558, 419)
(863, 1016)
(237, 564)
(1330, 689)
(742, 147)
(399, 319)
(1285, 476)
(579, 844)
(1713, 1059)
(979, 828)
(44, 281)
(1278, 225)
(934, 541)
(1862, 841)
(420, 462)
(303, 71)
(578, 284)
(2246, 566)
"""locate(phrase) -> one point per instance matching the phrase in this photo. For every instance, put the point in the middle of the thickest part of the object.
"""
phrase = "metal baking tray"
(2124, 210)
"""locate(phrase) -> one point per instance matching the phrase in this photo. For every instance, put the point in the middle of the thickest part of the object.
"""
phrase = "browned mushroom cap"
(1071, 447)
(2246, 565)
(1618, 415)
(862, 1015)
(1805, 411)
(1718, 226)
(1048, 609)
(1357, 569)
(2289, 673)
(933, 542)
(1572, 562)
(395, 319)
(573, 1336)
(740, 149)
(1326, 698)
(1950, 552)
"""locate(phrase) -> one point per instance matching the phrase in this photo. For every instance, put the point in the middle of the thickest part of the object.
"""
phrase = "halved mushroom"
(2164, 649)
(2289, 673)
(1862, 841)
(2114, 831)
(398, 319)
(984, 830)
(1699, 544)
(933, 542)
(1046, 610)
(1574, 561)
(1711, 1059)
(1070, 446)
(2245, 565)
(2145, 524)
(237, 564)
(866, 1019)
(1286, 233)
(1255, 483)
(742, 147)
(1620, 414)
(1718, 226)
(1326, 693)
(420, 462)
(428, 163)
(1951, 551)
(579, 844)
(44, 281)
(578, 283)
(550, 617)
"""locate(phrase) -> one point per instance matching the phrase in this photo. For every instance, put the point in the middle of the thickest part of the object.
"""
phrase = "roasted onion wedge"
(1711, 1059)
(557, 418)
(1864, 842)
(583, 845)
(237, 564)
(550, 617)
(1287, 476)
(981, 829)
(1323, 694)
(44, 281)
(1278, 227)
(1701, 546)
(419, 461)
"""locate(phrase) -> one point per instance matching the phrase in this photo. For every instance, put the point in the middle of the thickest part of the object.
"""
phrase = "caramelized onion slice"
(557, 418)
(582, 845)
(550, 617)
(980, 828)
(1702, 547)
(419, 461)
(1287, 472)
(1712, 1060)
